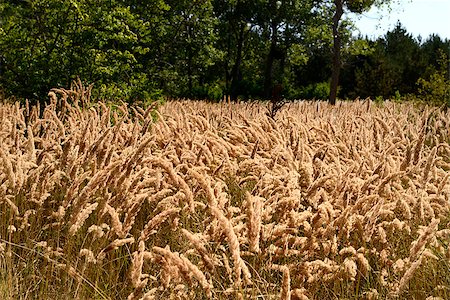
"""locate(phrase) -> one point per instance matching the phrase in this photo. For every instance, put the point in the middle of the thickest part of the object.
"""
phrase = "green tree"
(182, 41)
(286, 25)
(339, 7)
(395, 65)
(436, 87)
(32, 39)
(262, 40)
(49, 43)
(397, 61)
(236, 22)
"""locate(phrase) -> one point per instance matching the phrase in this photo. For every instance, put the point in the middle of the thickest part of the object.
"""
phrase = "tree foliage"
(398, 64)
(209, 49)
(49, 43)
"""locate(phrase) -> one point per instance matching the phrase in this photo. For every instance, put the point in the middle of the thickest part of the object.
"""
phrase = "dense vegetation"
(207, 49)
(197, 200)
(219, 201)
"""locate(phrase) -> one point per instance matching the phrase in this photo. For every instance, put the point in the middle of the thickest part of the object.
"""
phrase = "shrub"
(436, 88)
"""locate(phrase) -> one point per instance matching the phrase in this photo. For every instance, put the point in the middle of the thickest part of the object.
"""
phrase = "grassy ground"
(221, 201)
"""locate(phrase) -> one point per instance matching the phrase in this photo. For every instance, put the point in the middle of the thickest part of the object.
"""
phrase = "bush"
(319, 90)
(208, 91)
(436, 88)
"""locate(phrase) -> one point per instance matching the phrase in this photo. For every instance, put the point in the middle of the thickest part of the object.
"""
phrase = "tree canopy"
(209, 49)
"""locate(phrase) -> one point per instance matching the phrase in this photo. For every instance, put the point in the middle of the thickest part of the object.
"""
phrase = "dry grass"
(220, 201)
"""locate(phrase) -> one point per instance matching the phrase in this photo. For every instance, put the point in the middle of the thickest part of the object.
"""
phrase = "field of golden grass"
(197, 201)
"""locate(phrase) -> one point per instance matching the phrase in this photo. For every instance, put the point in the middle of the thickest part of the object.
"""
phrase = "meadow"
(195, 200)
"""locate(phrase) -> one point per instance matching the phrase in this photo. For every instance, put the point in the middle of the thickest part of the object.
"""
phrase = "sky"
(419, 17)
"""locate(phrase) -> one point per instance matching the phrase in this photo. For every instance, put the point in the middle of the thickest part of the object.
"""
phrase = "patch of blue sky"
(418, 17)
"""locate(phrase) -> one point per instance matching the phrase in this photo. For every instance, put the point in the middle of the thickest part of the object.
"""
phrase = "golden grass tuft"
(101, 201)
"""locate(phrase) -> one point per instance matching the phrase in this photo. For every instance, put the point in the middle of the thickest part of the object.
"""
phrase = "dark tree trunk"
(190, 57)
(227, 69)
(236, 75)
(268, 73)
(189, 71)
(336, 68)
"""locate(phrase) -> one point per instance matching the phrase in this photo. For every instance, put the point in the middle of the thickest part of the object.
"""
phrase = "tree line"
(210, 49)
